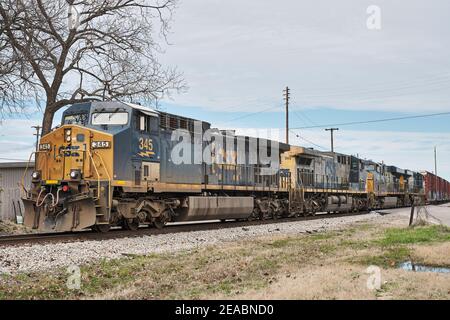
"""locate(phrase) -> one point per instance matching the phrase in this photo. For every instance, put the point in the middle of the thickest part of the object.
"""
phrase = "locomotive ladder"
(102, 207)
(296, 198)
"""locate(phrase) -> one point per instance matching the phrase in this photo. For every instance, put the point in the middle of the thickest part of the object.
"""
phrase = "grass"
(388, 258)
(194, 274)
(395, 244)
(416, 235)
(281, 243)
(224, 270)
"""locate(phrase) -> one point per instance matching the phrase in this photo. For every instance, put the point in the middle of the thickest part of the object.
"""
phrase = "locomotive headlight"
(36, 175)
(68, 134)
(75, 175)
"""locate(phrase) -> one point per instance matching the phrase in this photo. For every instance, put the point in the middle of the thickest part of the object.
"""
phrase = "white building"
(11, 174)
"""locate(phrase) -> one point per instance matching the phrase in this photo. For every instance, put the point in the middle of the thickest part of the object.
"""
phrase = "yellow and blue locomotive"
(109, 163)
(112, 164)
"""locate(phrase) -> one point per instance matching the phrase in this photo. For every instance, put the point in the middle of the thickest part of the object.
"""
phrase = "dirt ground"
(9, 227)
(345, 272)
(436, 213)
(358, 262)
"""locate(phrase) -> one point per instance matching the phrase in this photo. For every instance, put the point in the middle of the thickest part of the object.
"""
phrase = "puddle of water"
(411, 266)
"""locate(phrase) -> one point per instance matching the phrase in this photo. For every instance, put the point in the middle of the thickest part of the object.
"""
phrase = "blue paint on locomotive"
(132, 146)
(146, 137)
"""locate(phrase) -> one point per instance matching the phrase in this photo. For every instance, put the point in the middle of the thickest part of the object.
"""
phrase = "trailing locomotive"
(120, 164)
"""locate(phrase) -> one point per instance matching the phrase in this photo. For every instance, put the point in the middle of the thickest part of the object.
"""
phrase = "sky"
(238, 56)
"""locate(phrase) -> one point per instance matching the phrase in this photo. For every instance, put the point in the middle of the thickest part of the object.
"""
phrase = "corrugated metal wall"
(9, 183)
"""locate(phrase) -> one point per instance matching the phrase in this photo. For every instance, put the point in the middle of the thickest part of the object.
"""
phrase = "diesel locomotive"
(112, 164)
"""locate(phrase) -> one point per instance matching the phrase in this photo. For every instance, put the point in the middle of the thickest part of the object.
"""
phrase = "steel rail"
(88, 235)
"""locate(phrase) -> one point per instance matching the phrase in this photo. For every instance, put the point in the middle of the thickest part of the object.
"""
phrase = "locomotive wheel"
(130, 224)
(272, 214)
(101, 228)
(255, 214)
(159, 223)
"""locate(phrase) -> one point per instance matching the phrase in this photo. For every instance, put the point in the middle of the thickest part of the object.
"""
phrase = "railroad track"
(43, 238)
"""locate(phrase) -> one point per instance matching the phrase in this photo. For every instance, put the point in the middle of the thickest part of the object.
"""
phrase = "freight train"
(437, 189)
(121, 164)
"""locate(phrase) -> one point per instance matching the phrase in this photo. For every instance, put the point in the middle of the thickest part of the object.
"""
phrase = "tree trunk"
(47, 121)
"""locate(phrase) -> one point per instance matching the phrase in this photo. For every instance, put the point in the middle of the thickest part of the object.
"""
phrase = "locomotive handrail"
(109, 177)
(96, 171)
(22, 182)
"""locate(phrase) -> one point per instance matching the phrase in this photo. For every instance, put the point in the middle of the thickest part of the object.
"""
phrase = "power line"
(309, 141)
(415, 82)
(297, 114)
(251, 114)
(304, 115)
(418, 88)
(304, 118)
(375, 121)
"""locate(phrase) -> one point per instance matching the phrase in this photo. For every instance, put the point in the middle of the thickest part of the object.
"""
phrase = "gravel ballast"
(50, 256)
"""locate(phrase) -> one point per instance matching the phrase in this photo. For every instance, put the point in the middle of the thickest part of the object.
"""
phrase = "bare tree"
(60, 52)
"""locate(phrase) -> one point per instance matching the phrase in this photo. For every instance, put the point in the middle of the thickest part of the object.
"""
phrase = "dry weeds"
(436, 254)
(330, 265)
(9, 227)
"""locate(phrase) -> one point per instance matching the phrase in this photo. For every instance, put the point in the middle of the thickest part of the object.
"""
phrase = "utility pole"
(436, 174)
(286, 94)
(332, 137)
(38, 129)
(435, 162)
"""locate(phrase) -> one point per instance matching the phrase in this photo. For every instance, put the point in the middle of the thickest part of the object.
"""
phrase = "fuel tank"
(216, 208)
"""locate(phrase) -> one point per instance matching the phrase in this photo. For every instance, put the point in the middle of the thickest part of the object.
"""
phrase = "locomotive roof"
(86, 106)
(98, 105)
(146, 110)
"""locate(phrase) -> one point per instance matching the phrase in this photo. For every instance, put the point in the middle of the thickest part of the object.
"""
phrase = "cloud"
(16, 139)
(243, 53)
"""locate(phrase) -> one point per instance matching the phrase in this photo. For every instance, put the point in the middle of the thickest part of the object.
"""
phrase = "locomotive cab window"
(143, 123)
(110, 118)
(146, 123)
(79, 118)
(304, 161)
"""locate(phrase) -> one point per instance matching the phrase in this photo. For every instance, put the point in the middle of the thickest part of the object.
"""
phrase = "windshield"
(110, 118)
(80, 119)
